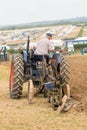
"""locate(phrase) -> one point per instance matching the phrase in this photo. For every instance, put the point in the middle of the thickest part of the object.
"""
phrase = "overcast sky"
(26, 11)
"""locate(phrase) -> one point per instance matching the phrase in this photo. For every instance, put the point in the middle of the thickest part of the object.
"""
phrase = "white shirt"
(43, 46)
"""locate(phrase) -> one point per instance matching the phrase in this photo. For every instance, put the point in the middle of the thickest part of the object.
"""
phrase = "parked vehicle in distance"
(85, 50)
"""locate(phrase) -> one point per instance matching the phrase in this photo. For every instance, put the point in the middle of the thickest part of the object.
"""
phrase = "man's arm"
(51, 50)
(50, 47)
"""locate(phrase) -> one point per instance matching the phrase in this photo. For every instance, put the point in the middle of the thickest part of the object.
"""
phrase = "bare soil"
(19, 115)
(78, 82)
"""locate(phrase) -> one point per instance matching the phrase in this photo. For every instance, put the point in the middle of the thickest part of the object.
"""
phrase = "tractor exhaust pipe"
(28, 41)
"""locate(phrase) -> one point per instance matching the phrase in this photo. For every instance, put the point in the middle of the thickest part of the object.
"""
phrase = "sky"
(27, 11)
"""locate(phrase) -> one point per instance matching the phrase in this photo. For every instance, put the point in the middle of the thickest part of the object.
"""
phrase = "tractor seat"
(38, 57)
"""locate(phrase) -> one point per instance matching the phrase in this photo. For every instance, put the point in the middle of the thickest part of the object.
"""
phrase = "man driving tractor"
(43, 48)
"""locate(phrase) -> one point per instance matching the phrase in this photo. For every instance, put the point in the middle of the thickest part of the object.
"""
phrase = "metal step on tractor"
(49, 79)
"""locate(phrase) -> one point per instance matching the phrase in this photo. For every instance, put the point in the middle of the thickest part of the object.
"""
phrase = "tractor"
(49, 79)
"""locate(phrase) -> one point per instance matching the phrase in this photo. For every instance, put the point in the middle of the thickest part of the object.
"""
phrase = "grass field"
(19, 115)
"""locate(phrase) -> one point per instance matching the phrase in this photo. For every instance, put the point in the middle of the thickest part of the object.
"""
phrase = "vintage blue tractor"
(50, 79)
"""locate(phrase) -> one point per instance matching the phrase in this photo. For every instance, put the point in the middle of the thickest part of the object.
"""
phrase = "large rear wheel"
(16, 76)
(65, 74)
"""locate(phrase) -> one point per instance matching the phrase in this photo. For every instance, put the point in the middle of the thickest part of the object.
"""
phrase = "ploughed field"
(19, 115)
